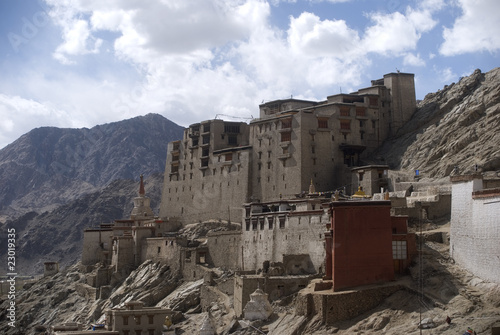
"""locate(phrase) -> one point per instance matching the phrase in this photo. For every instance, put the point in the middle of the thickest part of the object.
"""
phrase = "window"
(175, 157)
(345, 111)
(286, 137)
(247, 224)
(270, 221)
(159, 249)
(195, 141)
(228, 157)
(125, 320)
(232, 128)
(261, 223)
(373, 101)
(232, 140)
(323, 123)
(360, 111)
(137, 319)
(206, 128)
(361, 176)
(345, 125)
(204, 152)
(206, 139)
(254, 224)
(282, 222)
(174, 169)
(286, 123)
(399, 250)
(151, 319)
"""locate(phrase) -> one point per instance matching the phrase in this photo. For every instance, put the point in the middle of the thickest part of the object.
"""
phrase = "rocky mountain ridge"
(453, 130)
(48, 166)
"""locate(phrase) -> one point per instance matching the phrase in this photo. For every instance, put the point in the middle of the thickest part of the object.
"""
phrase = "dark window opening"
(232, 128)
(323, 123)
(232, 140)
(286, 137)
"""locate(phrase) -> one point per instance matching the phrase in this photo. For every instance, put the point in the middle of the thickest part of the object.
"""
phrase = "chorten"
(206, 327)
(258, 308)
(142, 208)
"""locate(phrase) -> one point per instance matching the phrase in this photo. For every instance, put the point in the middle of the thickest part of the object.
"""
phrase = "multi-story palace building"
(219, 165)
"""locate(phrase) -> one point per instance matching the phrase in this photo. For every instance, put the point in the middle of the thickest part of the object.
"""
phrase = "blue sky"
(79, 63)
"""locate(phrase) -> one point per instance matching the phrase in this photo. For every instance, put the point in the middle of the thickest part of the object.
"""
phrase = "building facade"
(286, 232)
(365, 244)
(219, 165)
(475, 228)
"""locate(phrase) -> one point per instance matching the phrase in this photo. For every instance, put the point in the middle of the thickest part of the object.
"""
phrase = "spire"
(312, 189)
(141, 188)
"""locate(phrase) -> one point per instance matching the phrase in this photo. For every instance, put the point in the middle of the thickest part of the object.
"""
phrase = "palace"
(220, 165)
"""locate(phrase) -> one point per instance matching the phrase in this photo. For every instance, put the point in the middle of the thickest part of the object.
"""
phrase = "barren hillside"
(456, 127)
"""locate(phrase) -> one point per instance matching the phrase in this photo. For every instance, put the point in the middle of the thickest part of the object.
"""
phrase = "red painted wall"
(362, 243)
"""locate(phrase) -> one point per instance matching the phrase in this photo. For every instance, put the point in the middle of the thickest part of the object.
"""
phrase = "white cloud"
(396, 33)
(311, 36)
(192, 60)
(413, 60)
(20, 115)
(77, 41)
(475, 30)
(445, 75)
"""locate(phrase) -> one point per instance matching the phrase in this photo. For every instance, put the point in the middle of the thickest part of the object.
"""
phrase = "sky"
(80, 63)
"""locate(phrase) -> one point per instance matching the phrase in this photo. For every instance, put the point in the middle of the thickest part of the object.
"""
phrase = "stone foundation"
(340, 306)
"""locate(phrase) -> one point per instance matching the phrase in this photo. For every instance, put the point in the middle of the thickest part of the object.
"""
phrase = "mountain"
(49, 166)
(452, 130)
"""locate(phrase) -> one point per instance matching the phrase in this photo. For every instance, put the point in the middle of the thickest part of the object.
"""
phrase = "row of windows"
(202, 187)
(322, 121)
(232, 140)
(260, 223)
(137, 319)
(138, 332)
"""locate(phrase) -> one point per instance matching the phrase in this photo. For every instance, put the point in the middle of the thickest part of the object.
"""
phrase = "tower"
(142, 208)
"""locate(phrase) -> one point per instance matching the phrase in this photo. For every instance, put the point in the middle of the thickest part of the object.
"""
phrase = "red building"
(365, 244)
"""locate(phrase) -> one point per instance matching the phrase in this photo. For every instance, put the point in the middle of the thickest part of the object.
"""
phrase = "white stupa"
(258, 308)
(206, 327)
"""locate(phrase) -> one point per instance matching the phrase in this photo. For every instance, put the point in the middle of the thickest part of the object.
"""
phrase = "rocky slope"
(48, 166)
(454, 127)
(57, 235)
(448, 291)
